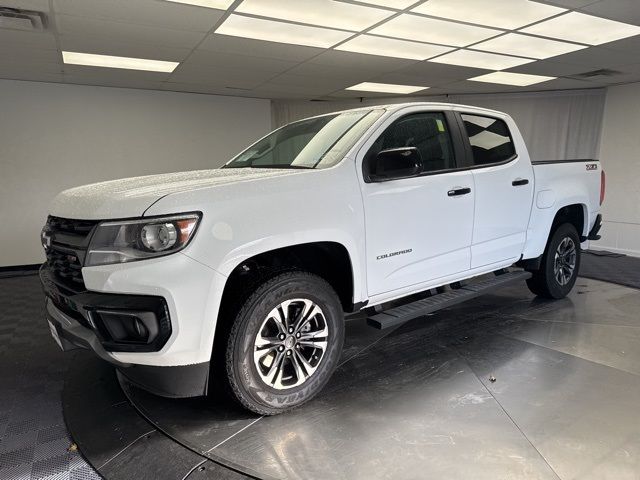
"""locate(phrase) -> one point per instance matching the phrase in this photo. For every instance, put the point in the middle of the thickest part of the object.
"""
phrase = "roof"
(398, 106)
(392, 107)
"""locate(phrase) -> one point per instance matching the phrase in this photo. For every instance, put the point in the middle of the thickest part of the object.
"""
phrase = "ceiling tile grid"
(310, 49)
(152, 13)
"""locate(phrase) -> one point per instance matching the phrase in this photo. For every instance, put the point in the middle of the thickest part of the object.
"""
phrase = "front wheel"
(285, 343)
(560, 264)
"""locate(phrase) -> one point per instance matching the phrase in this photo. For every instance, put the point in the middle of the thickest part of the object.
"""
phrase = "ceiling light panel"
(386, 88)
(219, 4)
(528, 46)
(396, 4)
(272, 31)
(488, 61)
(423, 29)
(582, 28)
(507, 78)
(108, 61)
(508, 14)
(390, 47)
(317, 12)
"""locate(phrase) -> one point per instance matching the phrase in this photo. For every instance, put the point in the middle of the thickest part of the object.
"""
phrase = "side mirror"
(395, 163)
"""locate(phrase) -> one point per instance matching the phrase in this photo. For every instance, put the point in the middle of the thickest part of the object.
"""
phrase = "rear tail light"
(602, 186)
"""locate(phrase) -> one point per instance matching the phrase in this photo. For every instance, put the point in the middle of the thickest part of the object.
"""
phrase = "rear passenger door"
(504, 189)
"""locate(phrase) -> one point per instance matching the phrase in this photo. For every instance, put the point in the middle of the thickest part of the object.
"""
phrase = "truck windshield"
(318, 142)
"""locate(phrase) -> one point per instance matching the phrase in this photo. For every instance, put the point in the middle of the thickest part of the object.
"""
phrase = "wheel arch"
(576, 214)
(328, 259)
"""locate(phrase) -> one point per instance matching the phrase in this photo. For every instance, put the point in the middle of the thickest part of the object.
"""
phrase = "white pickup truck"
(243, 274)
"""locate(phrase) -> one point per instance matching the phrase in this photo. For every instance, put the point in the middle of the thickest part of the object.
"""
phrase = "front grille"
(65, 266)
(69, 243)
(65, 225)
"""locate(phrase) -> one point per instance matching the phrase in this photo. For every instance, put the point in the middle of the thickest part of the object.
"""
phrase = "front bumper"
(111, 317)
(73, 324)
(72, 335)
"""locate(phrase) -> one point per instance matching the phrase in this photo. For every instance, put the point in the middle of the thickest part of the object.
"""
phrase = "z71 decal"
(393, 254)
(592, 166)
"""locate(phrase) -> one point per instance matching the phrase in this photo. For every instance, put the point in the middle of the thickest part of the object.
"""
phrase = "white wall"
(55, 136)
(620, 157)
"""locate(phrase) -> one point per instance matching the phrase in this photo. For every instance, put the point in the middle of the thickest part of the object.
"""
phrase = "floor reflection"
(420, 401)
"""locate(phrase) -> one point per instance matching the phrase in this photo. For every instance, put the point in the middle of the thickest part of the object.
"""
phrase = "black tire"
(245, 382)
(544, 282)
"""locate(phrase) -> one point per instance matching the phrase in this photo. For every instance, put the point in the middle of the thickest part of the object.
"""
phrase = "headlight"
(131, 240)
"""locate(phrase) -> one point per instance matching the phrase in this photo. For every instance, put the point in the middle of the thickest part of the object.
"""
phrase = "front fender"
(246, 219)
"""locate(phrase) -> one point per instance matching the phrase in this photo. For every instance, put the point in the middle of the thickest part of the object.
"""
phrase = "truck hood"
(130, 197)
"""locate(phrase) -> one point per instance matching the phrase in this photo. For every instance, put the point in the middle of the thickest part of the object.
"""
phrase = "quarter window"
(490, 139)
(427, 132)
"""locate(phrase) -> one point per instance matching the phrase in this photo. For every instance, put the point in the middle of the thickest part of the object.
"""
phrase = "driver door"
(418, 228)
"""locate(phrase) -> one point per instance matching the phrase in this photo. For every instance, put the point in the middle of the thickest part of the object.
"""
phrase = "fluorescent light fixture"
(317, 12)
(390, 47)
(488, 61)
(528, 46)
(272, 31)
(423, 29)
(219, 4)
(397, 4)
(509, 14)
(582, 28)
(92, 60)
(507, 78)
(487, 140)
(386, 88)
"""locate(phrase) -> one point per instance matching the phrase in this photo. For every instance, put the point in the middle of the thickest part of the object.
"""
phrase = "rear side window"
(490, 139)
(427, 132)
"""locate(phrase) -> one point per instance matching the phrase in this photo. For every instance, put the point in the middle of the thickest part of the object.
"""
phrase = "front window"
(318, 142)
(427, 131)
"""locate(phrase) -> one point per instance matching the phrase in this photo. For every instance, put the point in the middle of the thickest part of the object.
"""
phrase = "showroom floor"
(34, 443)
(503, 386)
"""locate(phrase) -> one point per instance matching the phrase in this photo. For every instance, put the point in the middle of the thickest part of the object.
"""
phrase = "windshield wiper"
(281, 166)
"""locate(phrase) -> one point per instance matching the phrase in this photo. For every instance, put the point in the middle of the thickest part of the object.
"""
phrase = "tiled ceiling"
(211, 62)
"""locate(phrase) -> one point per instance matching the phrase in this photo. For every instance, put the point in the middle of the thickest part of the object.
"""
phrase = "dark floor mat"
(611, 267)
(34, 443)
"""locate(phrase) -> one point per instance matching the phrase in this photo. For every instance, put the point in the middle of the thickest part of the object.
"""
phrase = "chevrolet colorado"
(242, 275)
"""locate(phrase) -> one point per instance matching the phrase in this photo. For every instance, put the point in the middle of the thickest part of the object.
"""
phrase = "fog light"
(139, 328)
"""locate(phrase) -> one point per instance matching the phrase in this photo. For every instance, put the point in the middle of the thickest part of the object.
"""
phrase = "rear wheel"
(560, 264)
(285, 343)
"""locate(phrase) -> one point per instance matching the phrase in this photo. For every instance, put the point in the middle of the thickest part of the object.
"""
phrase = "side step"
(399, 315)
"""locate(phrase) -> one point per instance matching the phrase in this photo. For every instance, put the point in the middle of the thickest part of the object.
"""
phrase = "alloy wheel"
(291, 343)
(565, 261)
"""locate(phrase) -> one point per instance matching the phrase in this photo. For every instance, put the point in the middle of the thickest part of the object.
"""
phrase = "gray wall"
(55, 136)
(620, 156)
(557, 125)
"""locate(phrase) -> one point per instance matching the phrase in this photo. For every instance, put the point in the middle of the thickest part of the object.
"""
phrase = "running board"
(399, 315)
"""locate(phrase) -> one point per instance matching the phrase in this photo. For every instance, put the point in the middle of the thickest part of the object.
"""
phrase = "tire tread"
(543, 283)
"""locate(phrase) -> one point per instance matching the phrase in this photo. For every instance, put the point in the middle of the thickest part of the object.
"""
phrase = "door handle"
(518, 182)
(457, 191)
